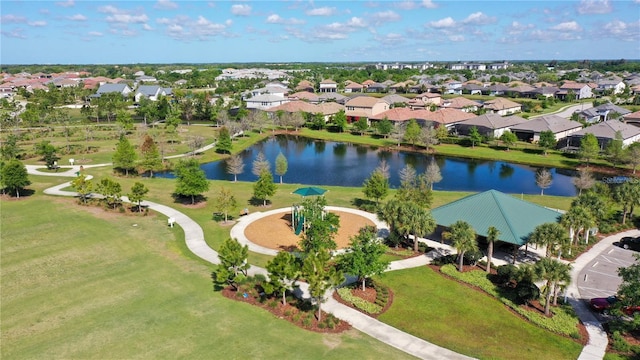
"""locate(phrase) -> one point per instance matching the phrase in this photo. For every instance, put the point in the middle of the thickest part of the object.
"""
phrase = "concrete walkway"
(194, 238)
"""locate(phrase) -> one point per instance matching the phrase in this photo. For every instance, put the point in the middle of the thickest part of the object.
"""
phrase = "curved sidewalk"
(194, 238)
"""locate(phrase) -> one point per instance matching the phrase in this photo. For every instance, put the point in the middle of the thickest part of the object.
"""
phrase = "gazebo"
(514, 218)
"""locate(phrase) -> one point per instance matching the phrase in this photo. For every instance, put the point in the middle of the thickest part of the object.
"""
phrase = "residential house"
(328, 85)
(448, 117)
(579, 90)
(151, 92)
(461, 103)
(542, 91)
(472, 88)
(146, 79)
(502, 106)
(607, 131)
(560, 127)
(452, 87)
(364, 107)
(305, 85)
(304, 96)
(401, 87)
(467, 66)
(496, 90)
(123, 89)
(430, 98)
(632, 118)
(265, 101)
(328, 110)
(333, 97)
(602, 112)
(396, 100)
(376, 88)
(614, 85)
(268, 90)
(402, 114)
(352, 87)
(490, 124)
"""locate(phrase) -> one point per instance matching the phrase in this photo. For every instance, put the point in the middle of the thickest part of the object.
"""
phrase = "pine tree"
(151, 160)
(125, 156)
(235, 166)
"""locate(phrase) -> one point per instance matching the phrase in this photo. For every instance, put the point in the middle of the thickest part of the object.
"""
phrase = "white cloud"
(95, 33)
(594, 7)
(17, 33)
(322, 11)
(39, 23)
(12, 19)
(621, 30)
(567, 26)
(384, 17)
(390, 39)
(127, 18)
(77, 17)
(456, 38)
(447, 22)
(277, 19)
(241, 10)
(147, 27)
(228, 22)
(108, 9)
(356, 22)
(479, 18)
(406, 5)
(186, 29)
(332, 31)
(68, 3)
(428, 4)
(517, 28)
(165, 5)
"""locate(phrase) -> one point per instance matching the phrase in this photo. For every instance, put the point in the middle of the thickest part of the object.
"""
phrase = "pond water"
(316, 162)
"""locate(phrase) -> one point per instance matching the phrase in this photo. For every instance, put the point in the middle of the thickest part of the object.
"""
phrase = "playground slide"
(299, 225)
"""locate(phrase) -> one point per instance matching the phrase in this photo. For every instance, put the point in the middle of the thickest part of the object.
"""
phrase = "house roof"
(515, 219)
(393, 99)
(572, 85)
(148, 90)
(449, 116)
(110, 88)
(493, 121)
(364, 101)
(353, 85)
(294, 106)
(553, 123)
(460, 103)
(608, 130)
(329, 108)
(304, 95)
(633, 116)
(331, 96)
(328, 81)
(402, 114)
(500, 104)
(266, 98)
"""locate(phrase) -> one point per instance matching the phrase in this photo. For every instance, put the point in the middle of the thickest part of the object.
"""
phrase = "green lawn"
(80, 284)
(459, 318)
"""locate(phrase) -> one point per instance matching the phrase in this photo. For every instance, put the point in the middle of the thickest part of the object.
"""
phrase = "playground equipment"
(297, 219)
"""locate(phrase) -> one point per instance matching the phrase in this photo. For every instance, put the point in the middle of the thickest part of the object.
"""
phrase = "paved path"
(194, 238)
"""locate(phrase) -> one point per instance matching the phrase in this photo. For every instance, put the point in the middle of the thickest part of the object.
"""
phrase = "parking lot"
(600, 277)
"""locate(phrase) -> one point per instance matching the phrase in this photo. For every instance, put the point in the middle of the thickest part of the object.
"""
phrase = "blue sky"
(166, 31)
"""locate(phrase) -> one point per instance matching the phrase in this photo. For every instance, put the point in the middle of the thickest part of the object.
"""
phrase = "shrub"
(527, 291)
(619, 343)
(507, 273)
(362, 304)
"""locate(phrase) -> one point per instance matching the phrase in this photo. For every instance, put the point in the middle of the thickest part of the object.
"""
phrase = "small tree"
(264, 187)
(320, 226)
(376, 186)
(463, 238)
(543, 179)
(111, 190)
(235, 166)
(281, 165)
(283, 271)
(429, 137)
(340, 120)
(633, 155)
(474, 136)
(124, 118)
(412, 132)
(492, 236)
(138, 191)
(554, 273)
(151, 160)
(552, 236)
(125, 156)
(547, 141)
(48, 153)
(83, 187)
(9, 149)
(384, 127)
(629, 289)
(190, 179)
(584, 180)
(224, 143)
(361, 125)
(589, 148)
(363, 258)
(233, 264)
(260, 164)
(508, 138)
(320, 276)
(14, 176)
(225, 202)
(432, 173)
(615, 149)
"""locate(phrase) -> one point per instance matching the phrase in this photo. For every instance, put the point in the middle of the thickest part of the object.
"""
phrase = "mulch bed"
(289, 312)
(369, 294)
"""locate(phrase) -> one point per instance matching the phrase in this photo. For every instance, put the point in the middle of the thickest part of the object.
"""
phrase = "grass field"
(79, 283)
(459, 318)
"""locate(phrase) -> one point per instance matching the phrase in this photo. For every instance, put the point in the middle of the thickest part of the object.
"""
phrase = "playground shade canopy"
(309, 191)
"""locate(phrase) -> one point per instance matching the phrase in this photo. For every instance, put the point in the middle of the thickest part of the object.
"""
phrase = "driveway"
(599, 278)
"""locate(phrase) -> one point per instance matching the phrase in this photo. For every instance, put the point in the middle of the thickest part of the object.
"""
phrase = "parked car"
(631, 243)
(604, 304)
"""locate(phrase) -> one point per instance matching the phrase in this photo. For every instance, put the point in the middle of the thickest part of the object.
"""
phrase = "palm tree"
(406, 218)
(554, 273)
(492, 236)
(576, 219)
(464, 239)
(551, 235)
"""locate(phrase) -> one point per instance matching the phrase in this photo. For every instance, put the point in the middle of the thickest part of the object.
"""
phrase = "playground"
(275, 231)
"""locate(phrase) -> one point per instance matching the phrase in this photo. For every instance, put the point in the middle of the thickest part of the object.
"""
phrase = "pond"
(316, 162)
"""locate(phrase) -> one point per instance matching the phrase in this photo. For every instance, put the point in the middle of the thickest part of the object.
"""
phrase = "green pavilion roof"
(514, 218)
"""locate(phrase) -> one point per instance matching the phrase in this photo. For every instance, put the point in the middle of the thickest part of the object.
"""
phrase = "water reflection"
(315, 162)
